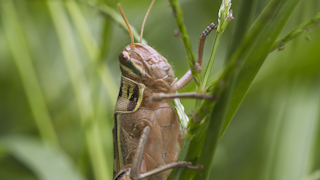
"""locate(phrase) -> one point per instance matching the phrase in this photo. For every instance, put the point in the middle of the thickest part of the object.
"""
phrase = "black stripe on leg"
(121, 174)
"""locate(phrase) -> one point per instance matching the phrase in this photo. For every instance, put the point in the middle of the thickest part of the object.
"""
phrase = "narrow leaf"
(46, 161)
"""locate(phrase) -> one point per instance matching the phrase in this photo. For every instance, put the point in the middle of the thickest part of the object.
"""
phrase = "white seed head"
(225, 15)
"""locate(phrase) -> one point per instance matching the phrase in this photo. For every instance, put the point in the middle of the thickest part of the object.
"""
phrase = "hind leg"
(137, 162)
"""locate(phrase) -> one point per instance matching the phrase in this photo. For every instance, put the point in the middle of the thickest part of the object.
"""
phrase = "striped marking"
(134, 97)
(118, 141)
(121, 174)
(130, 96)
(129, 101)
(131, 68)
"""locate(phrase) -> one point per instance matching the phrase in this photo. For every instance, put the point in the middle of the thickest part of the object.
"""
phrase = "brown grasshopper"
(147, 132)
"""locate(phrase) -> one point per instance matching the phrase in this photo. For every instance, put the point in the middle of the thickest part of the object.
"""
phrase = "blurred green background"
(59, 79)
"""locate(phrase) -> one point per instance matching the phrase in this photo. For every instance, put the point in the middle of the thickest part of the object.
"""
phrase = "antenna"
(127, 23)
(145, 19)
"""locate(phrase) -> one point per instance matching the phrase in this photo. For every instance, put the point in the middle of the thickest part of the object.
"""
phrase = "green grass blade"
(21, 55)
(254, 60)
(185, 38)
(246, 9)
(212, 57)
(296, 32)
(118, 19)
(251, 53)
(314, 176)
(46, 162)
(270, 23)
(92, 49)
(81, 90)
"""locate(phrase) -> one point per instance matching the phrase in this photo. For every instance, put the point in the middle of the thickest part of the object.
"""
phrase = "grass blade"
(233, 84)
(92, 49)
(81, 90)
(185, 38)
(19, 48)
(254, 60)
(47, 162)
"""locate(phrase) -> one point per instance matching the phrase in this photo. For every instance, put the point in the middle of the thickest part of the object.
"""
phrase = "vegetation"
(59, 80)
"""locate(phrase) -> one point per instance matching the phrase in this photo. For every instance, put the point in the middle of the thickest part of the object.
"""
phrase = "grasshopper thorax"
(145, 65)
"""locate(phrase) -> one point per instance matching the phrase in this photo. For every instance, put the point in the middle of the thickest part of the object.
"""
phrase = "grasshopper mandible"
(147, 132)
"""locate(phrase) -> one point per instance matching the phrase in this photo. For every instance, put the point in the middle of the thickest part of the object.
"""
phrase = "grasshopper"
(147, 131)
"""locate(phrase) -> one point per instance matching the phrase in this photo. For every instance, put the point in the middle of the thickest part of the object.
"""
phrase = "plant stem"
(253, 50)
(92, 49)
(21, 55)
(81, 91)
(212, 56)
(185, 39)
(296, 32)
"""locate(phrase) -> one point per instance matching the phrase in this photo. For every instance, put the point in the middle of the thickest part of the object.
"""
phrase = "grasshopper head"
(145, 65)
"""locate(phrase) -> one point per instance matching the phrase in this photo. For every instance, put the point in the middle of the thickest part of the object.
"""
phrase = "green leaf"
(20, 51)
(233, 85)
(80, 85)
(314, 176)
(253, 51)
(46, 161)
(271, 25)
(185, 38)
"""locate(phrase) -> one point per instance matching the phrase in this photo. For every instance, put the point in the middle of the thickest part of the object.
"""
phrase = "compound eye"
(170, 72)
(124, 57)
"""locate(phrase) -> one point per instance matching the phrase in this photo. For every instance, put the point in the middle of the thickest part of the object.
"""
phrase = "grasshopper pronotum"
(147, 131)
